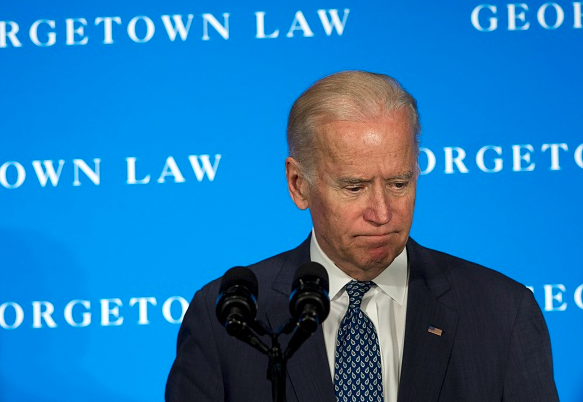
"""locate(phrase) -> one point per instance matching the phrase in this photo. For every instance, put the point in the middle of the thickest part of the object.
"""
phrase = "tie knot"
(356, 291)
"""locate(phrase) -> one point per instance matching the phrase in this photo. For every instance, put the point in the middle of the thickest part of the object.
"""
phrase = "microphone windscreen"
(312, 271)
(240, 276)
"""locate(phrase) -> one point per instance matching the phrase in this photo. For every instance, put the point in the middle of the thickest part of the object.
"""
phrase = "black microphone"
(236, 305)
(309, 303)
(237, 301)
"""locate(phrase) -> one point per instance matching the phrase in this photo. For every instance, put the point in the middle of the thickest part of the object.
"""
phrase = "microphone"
(237, 299)
(309, 303)
(236, 305)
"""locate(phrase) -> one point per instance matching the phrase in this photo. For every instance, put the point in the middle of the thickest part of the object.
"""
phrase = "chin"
(382, 257)
(379, 261)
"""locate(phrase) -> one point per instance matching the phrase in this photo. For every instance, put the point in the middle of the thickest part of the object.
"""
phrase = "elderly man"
(407, 323)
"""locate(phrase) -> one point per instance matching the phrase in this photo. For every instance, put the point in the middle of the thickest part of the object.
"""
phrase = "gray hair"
(348, 95)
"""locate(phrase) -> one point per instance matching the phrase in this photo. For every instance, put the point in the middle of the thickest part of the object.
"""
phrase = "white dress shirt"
(386, 306)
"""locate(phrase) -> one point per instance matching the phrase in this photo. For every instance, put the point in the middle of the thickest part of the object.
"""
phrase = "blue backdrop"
(142, 148)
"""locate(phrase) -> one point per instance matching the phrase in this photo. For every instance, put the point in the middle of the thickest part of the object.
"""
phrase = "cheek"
(339, 219)
(405, 215)
(405, 203)
(324, 215)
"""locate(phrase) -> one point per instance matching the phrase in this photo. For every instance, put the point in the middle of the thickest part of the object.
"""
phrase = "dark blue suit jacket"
(494, 345)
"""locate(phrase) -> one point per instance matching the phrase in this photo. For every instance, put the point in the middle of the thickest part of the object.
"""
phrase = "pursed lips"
(375, 235)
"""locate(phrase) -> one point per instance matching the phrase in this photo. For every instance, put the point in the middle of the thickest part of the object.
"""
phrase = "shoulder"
(468, 281)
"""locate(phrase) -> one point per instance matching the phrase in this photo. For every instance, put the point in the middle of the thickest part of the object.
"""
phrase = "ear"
(296, 183)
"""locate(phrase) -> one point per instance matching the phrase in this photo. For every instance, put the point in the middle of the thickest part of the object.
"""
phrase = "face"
(362, 194)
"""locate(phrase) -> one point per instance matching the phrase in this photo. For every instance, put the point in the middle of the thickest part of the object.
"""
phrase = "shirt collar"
(392, 281)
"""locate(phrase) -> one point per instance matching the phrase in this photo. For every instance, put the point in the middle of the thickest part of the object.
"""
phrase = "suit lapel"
(308, 370)
(425, 354)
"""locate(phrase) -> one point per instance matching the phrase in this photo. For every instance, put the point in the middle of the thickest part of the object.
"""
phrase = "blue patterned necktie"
(357, 369)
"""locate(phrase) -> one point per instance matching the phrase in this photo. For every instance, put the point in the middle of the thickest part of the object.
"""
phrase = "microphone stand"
(309, 304)
(277, 370)
(277, 364)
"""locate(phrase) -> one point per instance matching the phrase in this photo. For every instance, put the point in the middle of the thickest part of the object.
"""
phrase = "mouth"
(376, 236)
(376, 240)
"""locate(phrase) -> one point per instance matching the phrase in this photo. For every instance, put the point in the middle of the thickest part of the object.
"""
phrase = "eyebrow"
(352, 180)
(355, 180)
(404, 176)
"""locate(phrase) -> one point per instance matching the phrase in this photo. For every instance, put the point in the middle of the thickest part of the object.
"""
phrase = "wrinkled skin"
(362, 194)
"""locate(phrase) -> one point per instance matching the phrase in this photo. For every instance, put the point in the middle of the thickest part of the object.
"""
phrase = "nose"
(378, 211)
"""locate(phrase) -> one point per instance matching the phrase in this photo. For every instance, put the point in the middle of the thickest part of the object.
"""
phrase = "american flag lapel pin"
(434, 330)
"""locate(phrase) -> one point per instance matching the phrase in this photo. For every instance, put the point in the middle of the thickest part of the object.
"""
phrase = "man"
(428, 326)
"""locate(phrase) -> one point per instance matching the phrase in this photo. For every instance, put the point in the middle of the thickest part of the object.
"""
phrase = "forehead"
(382, 136)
